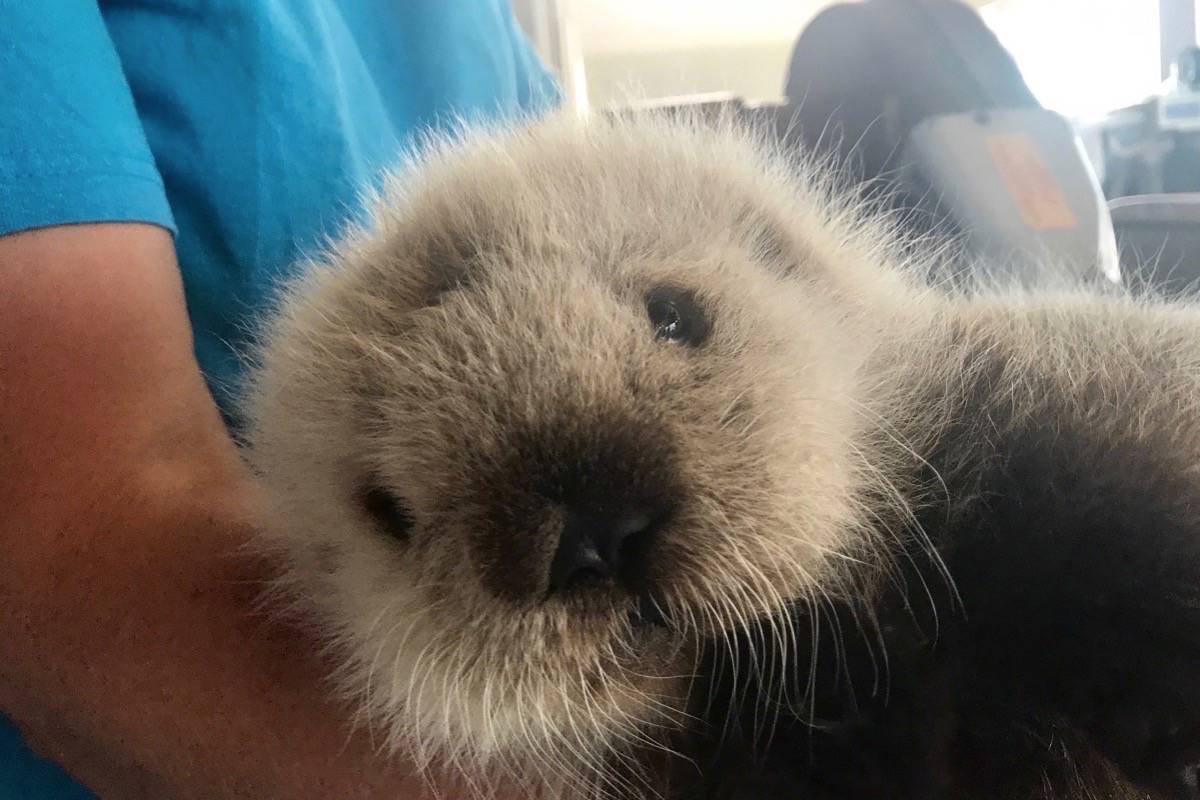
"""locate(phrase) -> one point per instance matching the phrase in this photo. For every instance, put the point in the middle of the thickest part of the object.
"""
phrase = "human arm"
(133, 654)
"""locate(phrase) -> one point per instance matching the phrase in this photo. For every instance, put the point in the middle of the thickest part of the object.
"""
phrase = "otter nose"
(597, 547)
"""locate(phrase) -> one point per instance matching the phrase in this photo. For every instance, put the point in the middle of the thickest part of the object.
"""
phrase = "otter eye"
(387, 512)
(676, 317)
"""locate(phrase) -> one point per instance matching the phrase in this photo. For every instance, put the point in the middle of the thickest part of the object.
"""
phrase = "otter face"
(556, 418)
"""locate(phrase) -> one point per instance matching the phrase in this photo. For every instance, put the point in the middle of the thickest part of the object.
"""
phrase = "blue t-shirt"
(250, 129)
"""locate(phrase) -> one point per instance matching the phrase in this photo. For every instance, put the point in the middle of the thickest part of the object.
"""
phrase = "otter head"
(579, 398)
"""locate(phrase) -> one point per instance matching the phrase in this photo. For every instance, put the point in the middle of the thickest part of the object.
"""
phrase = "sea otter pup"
(619, 458)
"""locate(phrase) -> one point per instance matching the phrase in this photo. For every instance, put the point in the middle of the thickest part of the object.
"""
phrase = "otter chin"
(623, 458)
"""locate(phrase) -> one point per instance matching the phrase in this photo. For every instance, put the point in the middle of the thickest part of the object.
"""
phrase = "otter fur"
(623, 458)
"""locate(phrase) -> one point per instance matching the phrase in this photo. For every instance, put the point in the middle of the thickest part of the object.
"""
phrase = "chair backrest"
(863, 75)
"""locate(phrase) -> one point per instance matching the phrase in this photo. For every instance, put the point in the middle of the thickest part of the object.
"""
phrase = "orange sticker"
(1038, 196)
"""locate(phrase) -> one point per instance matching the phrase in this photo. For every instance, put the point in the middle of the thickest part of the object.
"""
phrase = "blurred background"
(888, 76)
(1082, 57)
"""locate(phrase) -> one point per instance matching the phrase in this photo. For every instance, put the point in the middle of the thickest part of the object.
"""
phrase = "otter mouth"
(600, 601)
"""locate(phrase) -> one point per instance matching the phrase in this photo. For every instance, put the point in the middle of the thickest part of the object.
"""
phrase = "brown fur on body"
(1057, 481)
(442, 389)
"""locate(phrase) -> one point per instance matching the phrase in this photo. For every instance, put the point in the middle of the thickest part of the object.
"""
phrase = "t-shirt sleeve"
(72, 148)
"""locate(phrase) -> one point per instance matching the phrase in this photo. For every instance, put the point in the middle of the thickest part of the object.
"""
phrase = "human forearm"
(131, 651)
(139, 665)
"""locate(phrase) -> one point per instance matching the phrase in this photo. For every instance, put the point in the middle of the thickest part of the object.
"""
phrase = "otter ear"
(452, 243)
(450, 257)
(769, 242)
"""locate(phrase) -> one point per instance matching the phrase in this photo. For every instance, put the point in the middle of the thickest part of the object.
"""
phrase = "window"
(1082, 58)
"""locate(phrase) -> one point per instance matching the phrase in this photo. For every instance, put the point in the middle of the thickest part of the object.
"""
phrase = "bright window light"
(1082, 58)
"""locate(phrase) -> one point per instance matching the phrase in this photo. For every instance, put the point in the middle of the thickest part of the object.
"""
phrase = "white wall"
(636, 49)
